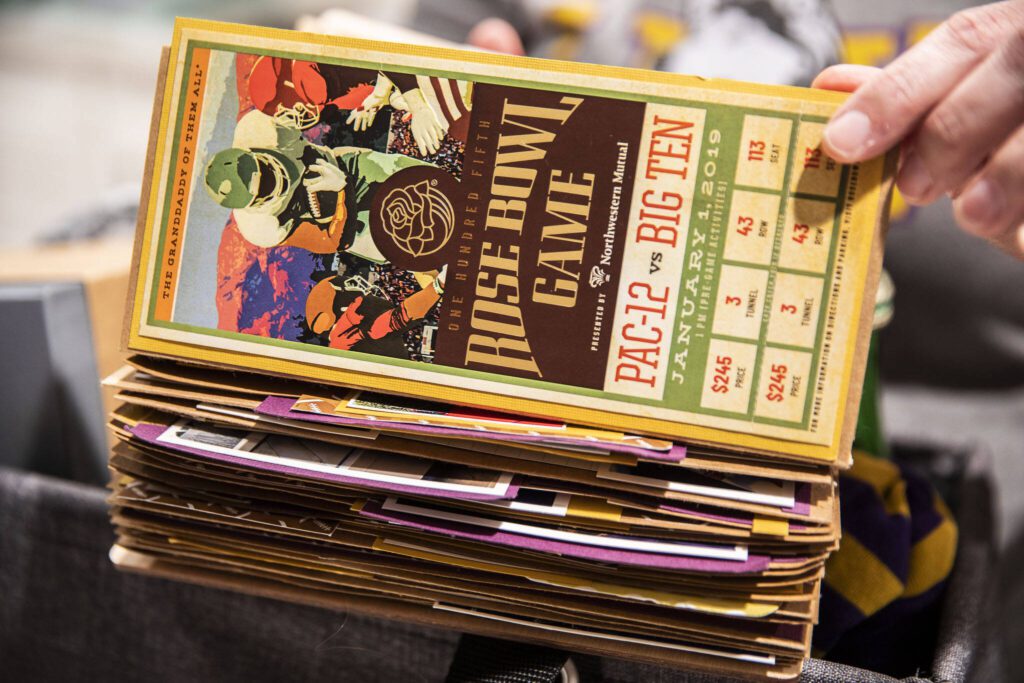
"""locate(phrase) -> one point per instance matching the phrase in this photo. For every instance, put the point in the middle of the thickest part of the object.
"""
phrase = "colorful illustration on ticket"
(313, 187)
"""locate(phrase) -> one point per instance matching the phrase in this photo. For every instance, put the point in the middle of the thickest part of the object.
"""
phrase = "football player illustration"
(284, 190)
(296, 93)
(354, 320)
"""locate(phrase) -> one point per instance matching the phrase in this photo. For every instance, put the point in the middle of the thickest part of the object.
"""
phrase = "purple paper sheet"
(801, 500)
(148, 433)
(280, 406)
(753, 563)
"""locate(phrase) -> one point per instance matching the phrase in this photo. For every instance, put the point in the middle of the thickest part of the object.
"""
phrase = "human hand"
(956, 103)
(328, 178)
(427, 131)
(361, 118)
(496, 35)
(346, 332)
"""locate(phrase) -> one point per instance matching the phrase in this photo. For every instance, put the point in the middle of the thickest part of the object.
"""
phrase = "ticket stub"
(630, 249)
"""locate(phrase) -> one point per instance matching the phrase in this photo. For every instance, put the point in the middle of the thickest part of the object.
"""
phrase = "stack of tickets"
(585, 370)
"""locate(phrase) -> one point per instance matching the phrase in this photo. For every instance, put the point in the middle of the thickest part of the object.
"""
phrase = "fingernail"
(915, 182)
(982, 205)
(849, 134)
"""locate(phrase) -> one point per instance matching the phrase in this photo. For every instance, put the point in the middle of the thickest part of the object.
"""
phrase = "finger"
(420, 143)
(844, 77)
(889, 105)
(967, 126)
(992, 204)
(351, 117)
(496, 35)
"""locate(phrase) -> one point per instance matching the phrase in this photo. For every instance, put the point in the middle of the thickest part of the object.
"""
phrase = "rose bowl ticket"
(633, 250)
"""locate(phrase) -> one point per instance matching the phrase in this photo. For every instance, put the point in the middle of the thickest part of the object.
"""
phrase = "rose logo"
(419, 218)
(400, 213)
(412, 217)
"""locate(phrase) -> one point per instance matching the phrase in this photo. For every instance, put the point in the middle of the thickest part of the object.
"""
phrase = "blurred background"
(81, 75)
(76, 87)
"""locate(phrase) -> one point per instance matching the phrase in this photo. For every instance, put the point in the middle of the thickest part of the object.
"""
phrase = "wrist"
(381, 89)
(416, 101)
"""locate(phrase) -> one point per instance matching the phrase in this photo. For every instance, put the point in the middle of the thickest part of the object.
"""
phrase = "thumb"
(889, 104)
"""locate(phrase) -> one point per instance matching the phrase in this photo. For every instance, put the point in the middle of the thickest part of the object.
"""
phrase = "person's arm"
(400, 318)
(427, 130)
(314, 238)
(956, 103)
(404, 82)
(376, 167)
